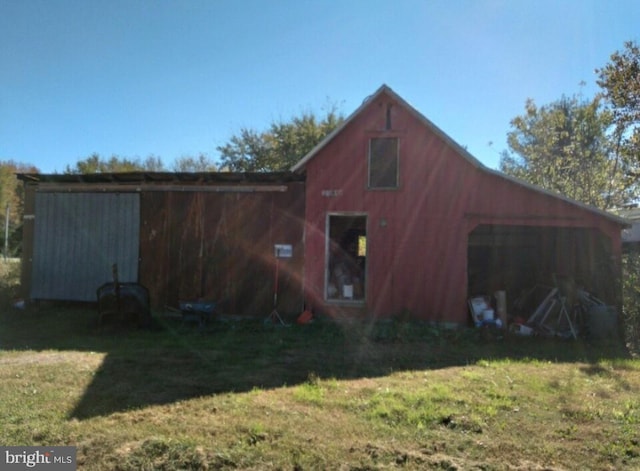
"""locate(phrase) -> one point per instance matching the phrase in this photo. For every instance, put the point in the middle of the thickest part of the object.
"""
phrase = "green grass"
(323, 396)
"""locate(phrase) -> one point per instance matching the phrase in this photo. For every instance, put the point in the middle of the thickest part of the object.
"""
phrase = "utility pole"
(6, 232)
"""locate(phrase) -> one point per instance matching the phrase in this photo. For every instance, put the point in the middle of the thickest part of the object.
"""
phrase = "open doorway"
(345, 274)
(518, 258)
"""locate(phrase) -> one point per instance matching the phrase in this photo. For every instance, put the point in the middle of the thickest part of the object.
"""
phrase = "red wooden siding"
(417, 235)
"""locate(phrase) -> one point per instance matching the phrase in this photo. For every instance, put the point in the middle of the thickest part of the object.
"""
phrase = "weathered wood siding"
(219, 246)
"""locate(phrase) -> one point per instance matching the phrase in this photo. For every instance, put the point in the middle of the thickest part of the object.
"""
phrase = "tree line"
(278, 147)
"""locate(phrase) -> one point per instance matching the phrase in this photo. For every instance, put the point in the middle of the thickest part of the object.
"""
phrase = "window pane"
(383, 163)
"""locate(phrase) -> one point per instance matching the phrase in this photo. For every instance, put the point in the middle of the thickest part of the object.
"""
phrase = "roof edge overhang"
(600, 212)
(201, 178)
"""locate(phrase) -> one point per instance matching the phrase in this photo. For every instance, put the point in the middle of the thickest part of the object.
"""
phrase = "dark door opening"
(346, 258)
(517, 258)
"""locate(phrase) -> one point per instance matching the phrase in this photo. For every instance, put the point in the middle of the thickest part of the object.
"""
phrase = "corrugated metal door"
(77, 239)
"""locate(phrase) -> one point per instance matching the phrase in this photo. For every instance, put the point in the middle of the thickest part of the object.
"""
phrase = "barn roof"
(162, 177)
(300, 166)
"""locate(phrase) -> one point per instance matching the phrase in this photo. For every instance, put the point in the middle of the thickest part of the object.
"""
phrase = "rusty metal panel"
(77, 239)
(220, 246)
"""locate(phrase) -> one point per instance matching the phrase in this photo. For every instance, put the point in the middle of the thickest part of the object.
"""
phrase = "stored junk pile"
(560, 310)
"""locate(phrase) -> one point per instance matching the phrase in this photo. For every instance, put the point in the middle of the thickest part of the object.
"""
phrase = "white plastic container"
(520, 329)
(487, 315)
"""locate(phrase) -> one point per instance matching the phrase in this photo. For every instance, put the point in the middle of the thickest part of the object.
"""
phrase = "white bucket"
(522, 329)
(487, 315)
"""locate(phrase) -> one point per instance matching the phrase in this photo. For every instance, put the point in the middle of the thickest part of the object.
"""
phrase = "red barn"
(401, 219)
(386, 216)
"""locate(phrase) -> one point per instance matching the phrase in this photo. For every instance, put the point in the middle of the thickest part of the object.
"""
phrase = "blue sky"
(180, 77)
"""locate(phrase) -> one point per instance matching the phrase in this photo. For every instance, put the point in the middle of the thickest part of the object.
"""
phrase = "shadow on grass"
(173, 362)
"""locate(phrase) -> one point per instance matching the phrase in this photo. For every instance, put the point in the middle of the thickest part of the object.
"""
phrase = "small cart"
(198, 312)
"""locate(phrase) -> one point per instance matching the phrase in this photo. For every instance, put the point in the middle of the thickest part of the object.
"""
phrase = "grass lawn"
(322, 396)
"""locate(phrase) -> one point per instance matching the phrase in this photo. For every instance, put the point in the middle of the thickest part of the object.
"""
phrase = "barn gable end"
(424, 247)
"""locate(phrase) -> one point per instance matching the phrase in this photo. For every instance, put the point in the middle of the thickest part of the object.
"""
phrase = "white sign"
(283, 250)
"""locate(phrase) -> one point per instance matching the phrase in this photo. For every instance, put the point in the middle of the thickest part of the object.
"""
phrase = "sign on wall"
(283, 250)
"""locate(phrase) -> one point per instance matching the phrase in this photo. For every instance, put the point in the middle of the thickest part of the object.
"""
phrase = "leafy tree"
(620, 81)
(12, 199)
(202, 163)
(565, 147)
(97, 164)
(280, 146)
